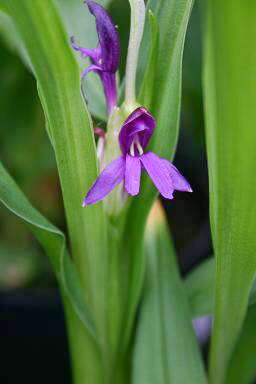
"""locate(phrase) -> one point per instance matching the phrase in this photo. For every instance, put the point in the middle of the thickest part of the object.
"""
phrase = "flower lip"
(109, 44)
(139, 127)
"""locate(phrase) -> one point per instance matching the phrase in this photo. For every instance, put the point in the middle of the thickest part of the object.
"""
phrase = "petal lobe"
(158, 172)
(132, 175)
(108, 179)
(179, 181)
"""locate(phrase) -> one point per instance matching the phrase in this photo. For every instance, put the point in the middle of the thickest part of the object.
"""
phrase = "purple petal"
(110, 91)
(108, 37)
(179, 181)
(202, 326)
(91, 68)
(92, 53)
(141, 123)
(159, 174)
(105, 58)
(132, 174)
(109, 178)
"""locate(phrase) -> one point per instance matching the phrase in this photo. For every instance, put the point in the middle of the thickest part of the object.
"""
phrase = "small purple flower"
(133, 139)
(105, 58)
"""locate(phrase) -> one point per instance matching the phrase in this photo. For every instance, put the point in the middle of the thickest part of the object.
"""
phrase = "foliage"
(129, 313)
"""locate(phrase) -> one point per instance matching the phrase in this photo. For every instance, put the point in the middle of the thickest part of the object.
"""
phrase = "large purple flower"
(105, 58)
(133, 139)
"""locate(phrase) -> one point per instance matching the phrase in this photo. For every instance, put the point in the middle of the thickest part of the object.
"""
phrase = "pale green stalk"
(136, 33)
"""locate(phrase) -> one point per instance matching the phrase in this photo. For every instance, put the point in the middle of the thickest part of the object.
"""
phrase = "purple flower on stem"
(105, 58)
(133, 139)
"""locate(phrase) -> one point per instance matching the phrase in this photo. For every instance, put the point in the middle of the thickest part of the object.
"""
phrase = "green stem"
(87, 360)
(136, 32)
(84, 353)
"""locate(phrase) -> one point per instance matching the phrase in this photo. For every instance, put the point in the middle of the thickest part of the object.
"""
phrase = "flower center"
(136, 147)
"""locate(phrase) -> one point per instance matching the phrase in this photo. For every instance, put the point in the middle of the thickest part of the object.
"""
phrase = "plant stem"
(136, 33)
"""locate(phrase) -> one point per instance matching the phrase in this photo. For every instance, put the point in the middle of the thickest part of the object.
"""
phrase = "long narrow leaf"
(242, 367)
(58, 80)
(166, 350)
(11, 37)
(52, 240)
(172, 18)
(199, 286)
(230, 93)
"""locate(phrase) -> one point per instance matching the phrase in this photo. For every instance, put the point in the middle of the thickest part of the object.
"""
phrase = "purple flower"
(104, 58)
(133, 139)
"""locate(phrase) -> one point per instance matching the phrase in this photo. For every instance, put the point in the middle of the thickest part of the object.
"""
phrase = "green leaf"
(166, 349)
(73, 289)
(52, 240)
(252, 298)
(242, 368)
(230, 93)
(172, 18)
(11, 37)
(199, 286)
(71, 134)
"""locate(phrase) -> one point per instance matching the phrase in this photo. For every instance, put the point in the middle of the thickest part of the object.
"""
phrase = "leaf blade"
(52, 240)
(165, 338)
(199, 286)
(242, 368)
(71, 133)
(229, 89)
(172, 19)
